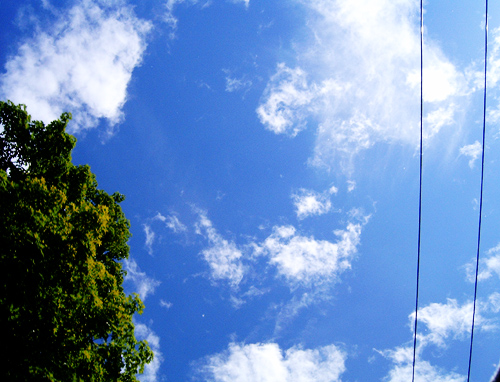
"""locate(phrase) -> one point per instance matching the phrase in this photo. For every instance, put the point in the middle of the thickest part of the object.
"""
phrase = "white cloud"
(166, 304)
(143, 332)
(488, 266)
(144, 285)
(333, 190)
(308, 203)
(223, 257)
(493, 75)
(424, 372)
(473, 151)
(245, 2)
(304, 260)
(82, 65)
(288, 100)
(492, 266)
(301, 260)
(266, 362)
(359, 79)
(169, 17)
(445, 320)
(439, 324)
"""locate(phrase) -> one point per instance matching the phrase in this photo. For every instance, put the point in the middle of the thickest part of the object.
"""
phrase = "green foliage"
(63, 309)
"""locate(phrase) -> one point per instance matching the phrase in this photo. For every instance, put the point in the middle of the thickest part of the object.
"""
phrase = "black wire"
(420, 181)
(481, 195)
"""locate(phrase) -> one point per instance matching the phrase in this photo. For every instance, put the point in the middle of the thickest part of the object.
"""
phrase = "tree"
(64, 313)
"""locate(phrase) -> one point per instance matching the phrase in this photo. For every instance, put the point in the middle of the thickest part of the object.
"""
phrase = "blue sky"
(268, 151)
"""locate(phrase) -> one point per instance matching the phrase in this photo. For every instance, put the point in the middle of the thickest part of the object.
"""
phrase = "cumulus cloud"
(222, 256)
(306, 261)
(266, 362)
(144, 285)
(143, 332)
(308, 202)
(472, 151)
(359, 80)
(82, 64)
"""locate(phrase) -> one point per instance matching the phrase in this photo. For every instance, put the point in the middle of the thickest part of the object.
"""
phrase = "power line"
(481, 194)
(420, 182)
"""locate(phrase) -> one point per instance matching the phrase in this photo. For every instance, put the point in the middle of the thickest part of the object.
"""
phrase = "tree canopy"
(64, 312)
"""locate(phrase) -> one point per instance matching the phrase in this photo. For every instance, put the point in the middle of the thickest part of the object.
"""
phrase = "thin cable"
(481, 195)
(420, 181)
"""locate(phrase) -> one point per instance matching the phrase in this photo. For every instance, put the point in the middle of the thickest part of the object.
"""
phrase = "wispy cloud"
(82, 64)
(359, 80)
(266, 362)
(472, 151)
(143, 332)
(222, 256)
(150, 238)
(234, 84)
(309, 203)
(171, 20)
(144, 285)
(172, 222)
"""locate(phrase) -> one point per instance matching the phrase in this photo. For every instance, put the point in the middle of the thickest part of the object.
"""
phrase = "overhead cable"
(481, 194)
(420, 183)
